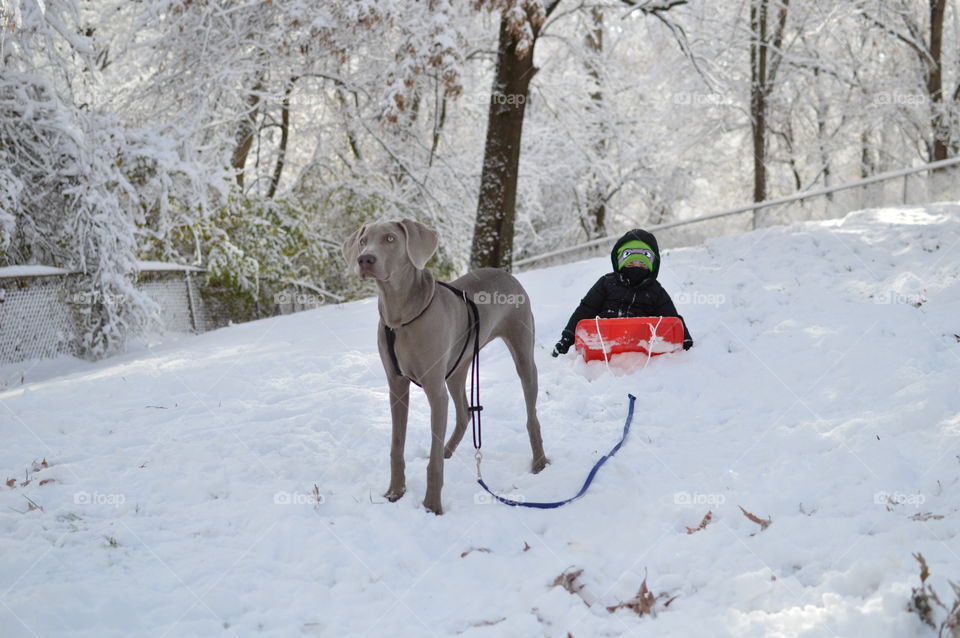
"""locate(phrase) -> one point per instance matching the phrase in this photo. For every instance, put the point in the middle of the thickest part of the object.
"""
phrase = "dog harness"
(473, 325)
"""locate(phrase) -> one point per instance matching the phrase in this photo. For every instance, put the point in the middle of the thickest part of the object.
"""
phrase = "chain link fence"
(38, 308)
(36, 319)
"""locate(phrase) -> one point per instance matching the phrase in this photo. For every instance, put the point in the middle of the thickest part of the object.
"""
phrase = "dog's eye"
(391, 238)
(362, 242)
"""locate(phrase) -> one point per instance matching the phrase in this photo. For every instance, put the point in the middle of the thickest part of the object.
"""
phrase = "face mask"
(635, 275)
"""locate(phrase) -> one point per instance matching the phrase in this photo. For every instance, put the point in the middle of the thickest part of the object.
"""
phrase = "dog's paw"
(394, 494)
(433, 506)
(538, 464)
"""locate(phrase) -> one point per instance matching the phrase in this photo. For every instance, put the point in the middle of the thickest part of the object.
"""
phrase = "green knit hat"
(635, 250)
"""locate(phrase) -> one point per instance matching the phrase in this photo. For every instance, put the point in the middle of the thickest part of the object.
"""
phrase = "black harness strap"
(473, 324)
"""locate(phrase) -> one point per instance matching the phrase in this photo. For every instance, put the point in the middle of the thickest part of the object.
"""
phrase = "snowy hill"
(821, 394)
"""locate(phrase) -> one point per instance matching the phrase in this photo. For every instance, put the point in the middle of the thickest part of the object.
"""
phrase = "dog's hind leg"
(520, 342)
(456, 386)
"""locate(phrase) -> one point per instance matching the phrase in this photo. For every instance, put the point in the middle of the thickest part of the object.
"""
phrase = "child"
(631, 290)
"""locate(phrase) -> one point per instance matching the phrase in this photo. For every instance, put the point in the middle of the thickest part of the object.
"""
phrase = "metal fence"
(937, 181)
(38, 308)
(35, 319)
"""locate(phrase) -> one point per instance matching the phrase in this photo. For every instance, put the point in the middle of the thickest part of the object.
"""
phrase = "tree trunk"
(284, 138)
(245, 131)
(597, 195)
(938, 123)
(867, 166)
(765, 57)
(758, 102)
(823, 112)
(496, 209)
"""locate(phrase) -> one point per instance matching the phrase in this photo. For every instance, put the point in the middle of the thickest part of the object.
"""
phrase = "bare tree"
(496, 207)
(595, 220)
(906, 26)
(520, 26)
(766, 54)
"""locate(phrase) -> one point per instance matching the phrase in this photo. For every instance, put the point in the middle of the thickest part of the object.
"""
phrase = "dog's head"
(381, 249)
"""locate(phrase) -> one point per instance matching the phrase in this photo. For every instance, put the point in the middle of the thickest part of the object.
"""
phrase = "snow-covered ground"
(822, 394)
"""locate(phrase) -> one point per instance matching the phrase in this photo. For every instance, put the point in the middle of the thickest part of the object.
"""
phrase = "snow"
(161, 266)
(11, 272)
(821, 393)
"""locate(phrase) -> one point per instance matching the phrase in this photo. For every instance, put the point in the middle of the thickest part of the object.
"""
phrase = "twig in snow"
(926, 516)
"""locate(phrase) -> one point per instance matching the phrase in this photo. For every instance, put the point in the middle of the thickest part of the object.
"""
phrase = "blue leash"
(586, 484)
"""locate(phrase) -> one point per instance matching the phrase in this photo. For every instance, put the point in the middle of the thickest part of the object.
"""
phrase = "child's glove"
(563, 346)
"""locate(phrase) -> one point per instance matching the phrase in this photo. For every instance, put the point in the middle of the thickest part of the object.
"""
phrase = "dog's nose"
(366, 261)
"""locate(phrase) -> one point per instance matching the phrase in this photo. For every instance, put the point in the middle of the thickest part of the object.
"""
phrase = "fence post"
(190, 302)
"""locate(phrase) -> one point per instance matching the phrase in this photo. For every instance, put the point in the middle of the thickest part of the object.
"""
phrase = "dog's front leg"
(399, 409)
(438, 399)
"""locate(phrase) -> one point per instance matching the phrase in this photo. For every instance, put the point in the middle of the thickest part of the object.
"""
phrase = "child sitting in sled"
(631, 290)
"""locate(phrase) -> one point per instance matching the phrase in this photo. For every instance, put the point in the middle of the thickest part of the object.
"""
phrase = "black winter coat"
(614, 296)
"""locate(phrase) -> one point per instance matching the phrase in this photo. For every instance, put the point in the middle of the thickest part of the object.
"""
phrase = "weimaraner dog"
(433, 339)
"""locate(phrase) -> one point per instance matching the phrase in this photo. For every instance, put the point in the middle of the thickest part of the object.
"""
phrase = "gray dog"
(433, 339)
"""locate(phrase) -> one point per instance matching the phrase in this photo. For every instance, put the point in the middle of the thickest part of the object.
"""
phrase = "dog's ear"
(351, 248)
(421, 242)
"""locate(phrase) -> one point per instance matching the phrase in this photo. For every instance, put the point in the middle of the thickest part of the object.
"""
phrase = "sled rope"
(653, 337)
(586, 484)
(603, 346)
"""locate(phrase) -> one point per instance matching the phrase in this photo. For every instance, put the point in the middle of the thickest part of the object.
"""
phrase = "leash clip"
(479, 457)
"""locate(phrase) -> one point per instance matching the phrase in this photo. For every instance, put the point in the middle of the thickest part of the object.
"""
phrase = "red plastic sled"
(653, 335)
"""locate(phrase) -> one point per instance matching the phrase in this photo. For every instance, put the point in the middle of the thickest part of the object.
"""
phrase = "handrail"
(312, 288)
(746, 208)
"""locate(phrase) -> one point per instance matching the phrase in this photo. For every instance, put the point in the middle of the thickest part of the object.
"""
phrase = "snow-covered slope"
(821, 394)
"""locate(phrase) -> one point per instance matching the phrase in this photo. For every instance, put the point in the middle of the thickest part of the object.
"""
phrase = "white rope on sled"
(603, 346)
